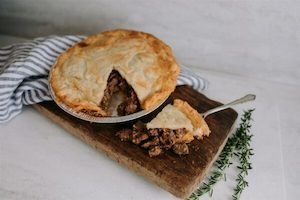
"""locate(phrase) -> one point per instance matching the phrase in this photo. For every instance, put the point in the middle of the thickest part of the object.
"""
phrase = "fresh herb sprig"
(243, 152)
(238, 145)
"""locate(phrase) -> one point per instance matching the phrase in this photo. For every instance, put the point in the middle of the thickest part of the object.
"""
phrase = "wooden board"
(178, 175)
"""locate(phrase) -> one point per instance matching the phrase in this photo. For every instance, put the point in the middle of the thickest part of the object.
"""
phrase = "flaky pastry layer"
(79, 76)
(201, 128)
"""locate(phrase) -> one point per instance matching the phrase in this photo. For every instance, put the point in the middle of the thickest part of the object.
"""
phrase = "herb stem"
(238, 145)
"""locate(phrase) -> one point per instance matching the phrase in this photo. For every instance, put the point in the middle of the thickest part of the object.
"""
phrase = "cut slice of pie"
(200, 127)
(180, 116)
(173, 127)
(171, 118)
(87, 75)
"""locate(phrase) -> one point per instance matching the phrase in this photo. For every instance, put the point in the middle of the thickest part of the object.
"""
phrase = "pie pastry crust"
(79, 76)
(201, 128)
(181, 115)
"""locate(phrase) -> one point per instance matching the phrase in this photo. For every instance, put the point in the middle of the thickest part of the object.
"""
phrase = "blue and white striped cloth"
(24, 72)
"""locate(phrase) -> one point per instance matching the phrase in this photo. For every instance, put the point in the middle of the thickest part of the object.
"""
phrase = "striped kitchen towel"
(24, 72)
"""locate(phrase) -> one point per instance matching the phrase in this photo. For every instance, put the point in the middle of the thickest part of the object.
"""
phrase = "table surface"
(39, 160)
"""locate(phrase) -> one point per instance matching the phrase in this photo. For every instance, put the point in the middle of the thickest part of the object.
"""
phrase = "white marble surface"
(254, 38)
(39, 160)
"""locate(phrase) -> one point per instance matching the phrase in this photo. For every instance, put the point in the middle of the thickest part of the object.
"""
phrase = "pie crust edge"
(197, 120)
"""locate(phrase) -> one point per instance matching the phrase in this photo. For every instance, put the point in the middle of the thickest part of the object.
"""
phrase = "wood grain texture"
(179, 175)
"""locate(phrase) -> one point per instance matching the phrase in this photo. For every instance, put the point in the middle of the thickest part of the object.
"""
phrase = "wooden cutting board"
(178, 175)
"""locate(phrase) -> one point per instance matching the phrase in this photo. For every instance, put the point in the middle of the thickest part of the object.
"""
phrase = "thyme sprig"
(238, 145)
(243, 152)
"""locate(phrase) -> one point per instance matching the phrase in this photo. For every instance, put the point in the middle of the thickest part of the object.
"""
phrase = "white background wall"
(254, 38)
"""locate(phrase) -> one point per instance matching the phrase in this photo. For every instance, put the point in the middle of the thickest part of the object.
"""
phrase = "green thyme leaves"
(239, 146)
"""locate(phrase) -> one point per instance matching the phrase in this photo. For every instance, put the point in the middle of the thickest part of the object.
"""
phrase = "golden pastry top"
(201, 128)
(171, 118)
(181, 115)
(80, 75)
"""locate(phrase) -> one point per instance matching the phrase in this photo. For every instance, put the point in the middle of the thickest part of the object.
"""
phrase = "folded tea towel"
(24, 72)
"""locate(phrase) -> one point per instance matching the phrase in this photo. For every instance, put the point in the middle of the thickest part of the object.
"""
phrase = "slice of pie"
(137, 64)
(180, 117)
(174, 127)
(200, 127)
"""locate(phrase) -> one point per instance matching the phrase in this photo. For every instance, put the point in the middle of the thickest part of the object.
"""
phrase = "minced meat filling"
(130, 104)
(155, 140)
(113, 85)
(117, 84)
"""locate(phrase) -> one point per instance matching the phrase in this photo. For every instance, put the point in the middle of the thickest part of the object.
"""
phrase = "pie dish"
(140, 65)
(173, 128)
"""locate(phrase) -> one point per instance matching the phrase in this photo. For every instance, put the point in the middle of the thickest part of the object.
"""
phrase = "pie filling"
(156, 140)
(116, 85)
